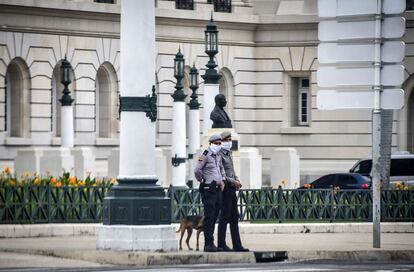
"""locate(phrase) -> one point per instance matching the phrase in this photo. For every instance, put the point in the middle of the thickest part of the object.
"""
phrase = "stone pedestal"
(84, 160)
(113, 163)
(55, 160)
(140, 238)
(250, 168)
(285, 168)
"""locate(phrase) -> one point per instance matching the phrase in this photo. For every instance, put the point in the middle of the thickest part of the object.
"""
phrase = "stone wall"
(259, 53)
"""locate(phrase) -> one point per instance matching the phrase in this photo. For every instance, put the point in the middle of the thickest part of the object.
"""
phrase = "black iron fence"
(184, 4)
(304, 205)
(50, 204)
(66, 204)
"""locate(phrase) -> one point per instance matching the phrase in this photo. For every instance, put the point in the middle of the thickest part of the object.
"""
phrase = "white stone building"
(267, 58)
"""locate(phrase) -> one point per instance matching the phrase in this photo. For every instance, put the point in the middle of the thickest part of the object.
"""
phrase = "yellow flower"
(11, 182)
(36, 181)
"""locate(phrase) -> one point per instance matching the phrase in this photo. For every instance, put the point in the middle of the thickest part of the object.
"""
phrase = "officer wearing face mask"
(210, 173)
(229, 212)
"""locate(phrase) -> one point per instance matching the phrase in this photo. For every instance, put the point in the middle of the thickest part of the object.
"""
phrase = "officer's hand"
(222, 186)
(237, 184)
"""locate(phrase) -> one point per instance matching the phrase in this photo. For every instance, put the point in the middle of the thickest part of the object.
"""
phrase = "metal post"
(376, 134)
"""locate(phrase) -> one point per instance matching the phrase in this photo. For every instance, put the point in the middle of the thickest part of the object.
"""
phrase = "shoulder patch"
(205, 152)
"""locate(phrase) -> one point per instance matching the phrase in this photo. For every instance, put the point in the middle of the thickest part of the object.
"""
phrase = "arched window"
(226, 88)
(17, 110)
(57, 89)
(106, 85)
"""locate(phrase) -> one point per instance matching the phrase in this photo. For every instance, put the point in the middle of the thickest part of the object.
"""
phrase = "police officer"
(210, 173)
(229, 212)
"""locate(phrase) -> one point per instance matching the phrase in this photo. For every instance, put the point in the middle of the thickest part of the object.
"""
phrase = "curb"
(145, 258)
(357, 255)
(177, 258)
(61, 230)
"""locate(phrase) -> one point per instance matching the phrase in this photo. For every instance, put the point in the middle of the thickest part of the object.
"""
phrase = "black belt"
(210, 186)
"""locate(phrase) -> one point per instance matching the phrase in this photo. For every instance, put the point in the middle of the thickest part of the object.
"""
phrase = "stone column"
(194, 121)
(137, 215)
(178, 149)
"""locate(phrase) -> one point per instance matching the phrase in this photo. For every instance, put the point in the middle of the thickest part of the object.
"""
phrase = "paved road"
(268, 267)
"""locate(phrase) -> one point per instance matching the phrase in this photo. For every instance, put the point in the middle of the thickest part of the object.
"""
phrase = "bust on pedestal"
(251, 174)
(218, 115)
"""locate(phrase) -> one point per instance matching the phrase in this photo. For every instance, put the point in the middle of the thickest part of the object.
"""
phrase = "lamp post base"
(136, 202)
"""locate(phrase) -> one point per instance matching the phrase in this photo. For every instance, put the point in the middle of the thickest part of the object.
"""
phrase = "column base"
(136, 202)
(137, 238)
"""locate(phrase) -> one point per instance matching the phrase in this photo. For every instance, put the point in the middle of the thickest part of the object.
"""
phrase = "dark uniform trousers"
(229, 214)
(211, 196)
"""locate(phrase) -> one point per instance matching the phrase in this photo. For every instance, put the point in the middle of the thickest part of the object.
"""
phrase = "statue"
(218, 115)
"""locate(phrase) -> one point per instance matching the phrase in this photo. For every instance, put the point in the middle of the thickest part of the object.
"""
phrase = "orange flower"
(59, 184)
(7, 170)
(72, 180)
(52, 180)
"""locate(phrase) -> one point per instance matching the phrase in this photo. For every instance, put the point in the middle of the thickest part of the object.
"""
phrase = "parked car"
(402, 168)
(341, 180)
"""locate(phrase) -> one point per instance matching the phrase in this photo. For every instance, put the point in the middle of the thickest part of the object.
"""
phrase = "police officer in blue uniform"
(210, 173)
(229, 212)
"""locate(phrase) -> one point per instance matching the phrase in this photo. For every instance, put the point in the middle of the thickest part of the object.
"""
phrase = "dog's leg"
(189, 233)
(198, 235)
(182, 235)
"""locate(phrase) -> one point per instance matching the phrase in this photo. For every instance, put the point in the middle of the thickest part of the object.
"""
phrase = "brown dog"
(189, 223)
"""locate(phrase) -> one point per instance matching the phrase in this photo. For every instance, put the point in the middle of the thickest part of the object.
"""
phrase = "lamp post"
(211, 77)
(136, 212)
(178, 150)
(67, 132)
(194, 120)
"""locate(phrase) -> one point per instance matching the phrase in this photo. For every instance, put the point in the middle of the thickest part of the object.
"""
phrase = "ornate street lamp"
(211, 48)
(178, 146)
(193, 104)
(179, 75)
(65, 69)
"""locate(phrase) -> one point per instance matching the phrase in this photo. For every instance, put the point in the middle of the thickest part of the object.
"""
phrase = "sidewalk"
(296, 246)
(57, 230)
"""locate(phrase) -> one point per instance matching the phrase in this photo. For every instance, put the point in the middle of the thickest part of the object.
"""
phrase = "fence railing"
(304, 205)
(66, 204)
(49, 204)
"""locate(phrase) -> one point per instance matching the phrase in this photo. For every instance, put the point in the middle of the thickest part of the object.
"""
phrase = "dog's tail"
(179, 228)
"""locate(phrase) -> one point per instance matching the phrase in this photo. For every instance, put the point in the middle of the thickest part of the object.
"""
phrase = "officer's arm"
(223, 173)
(198, 170)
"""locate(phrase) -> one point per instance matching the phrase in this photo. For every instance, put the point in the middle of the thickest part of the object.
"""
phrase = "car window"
(363, 168)
(402, 167)
(324, 182)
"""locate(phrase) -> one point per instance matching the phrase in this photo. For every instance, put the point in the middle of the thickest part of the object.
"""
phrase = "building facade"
(267, 59)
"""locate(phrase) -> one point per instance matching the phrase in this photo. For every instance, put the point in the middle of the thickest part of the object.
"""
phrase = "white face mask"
(215, 148)
(226, 145)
